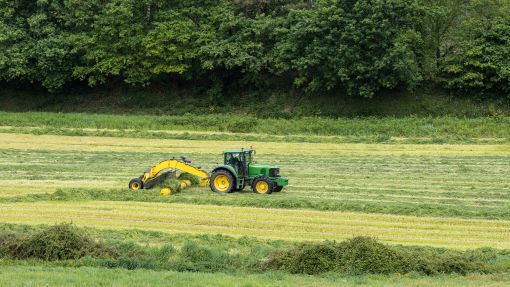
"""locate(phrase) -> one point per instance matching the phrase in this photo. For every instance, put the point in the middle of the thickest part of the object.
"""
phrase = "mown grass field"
(263, 223)
(86, 276)
(454, 195)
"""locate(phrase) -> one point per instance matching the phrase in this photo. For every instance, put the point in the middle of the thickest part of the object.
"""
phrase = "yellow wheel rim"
(135, 186)
(221, 183)
(262, 187)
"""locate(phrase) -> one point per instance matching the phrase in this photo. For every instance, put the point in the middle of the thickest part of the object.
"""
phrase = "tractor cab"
(239, 160)
(239, 170)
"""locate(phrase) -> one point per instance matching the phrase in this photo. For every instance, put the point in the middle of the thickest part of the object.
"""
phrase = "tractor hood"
(263, 165)
(270, 170)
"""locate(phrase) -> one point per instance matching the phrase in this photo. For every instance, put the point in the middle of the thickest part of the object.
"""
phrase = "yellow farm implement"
(168, 169)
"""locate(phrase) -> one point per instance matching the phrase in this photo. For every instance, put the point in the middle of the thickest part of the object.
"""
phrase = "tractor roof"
(236, 150)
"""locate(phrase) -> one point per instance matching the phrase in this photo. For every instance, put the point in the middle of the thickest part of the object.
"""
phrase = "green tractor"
(239, 170)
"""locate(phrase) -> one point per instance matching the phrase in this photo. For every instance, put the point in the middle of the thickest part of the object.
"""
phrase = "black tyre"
(262, 185)
(136, 184)
(277, 188)
(222, 181)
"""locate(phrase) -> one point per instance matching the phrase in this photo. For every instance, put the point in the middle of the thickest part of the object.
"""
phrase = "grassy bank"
(442, 129)
(252, 137)
(175, 101)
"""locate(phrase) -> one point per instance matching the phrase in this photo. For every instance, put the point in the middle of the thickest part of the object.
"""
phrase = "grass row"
(178, 147)
(287, 224)
(204, 196)
(384, 128)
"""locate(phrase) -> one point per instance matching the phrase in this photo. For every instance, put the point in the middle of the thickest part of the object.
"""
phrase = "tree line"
(358, 47)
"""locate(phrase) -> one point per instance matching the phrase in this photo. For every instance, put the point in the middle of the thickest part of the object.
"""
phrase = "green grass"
(253, 137)
(87, 276)
(440, 130)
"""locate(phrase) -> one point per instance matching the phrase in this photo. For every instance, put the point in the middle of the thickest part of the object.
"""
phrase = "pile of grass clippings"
(366, 255)
(59, 242)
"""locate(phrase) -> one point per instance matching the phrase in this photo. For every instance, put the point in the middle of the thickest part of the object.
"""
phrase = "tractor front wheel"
(221, 181)
(262, 185)
(277, 188)
(135, 184)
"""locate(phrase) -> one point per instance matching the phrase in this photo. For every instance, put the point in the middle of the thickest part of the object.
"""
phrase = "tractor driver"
(234, 161)
(237, 161)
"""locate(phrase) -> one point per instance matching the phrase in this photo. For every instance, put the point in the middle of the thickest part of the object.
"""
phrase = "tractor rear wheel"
(135, 184)
(221, 181)
(262, 185)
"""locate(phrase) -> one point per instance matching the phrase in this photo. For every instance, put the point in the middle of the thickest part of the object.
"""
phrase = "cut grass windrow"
(208, 135)
(113, 144)
(286, 224)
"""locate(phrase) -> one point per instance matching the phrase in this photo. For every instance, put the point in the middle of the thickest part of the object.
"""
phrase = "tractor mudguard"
(227, 167)
(281, 181)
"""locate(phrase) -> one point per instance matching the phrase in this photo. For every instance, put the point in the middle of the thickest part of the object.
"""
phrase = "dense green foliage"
(360, 255)
(355, 48)
(479, 59)
(363, 46)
